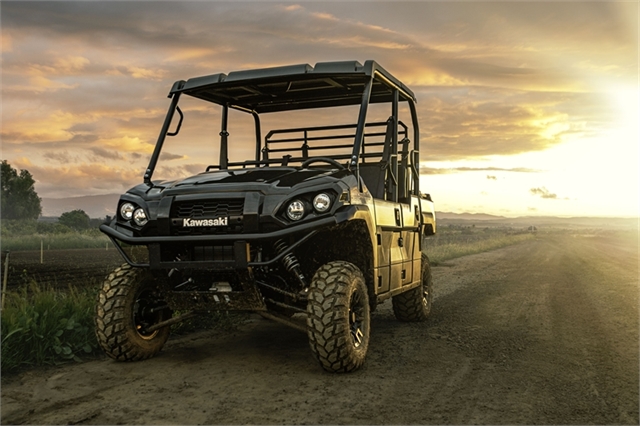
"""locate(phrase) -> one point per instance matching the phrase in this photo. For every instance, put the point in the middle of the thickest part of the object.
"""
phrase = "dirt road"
(545, 332)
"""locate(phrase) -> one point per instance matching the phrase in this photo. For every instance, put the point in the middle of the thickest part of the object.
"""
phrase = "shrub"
(52, 228)
(76, 219)
(42, 326)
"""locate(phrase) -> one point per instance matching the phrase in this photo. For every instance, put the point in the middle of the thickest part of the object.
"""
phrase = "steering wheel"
(331, 161)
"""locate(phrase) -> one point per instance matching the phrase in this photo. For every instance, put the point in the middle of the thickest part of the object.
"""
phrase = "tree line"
(20, 201)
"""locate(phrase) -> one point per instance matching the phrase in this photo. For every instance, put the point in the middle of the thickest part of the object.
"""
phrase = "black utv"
(320, 224)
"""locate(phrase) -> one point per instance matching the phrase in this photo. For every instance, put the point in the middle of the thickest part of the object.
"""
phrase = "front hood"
(264, 175)
(283, 177)
(266, 179)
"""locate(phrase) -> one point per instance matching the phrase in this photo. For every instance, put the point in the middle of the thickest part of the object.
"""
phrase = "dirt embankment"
(545, 332)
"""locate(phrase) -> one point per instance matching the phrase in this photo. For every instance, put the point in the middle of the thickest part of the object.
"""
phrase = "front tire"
(338, 317)
(415, 305)
(129, 302)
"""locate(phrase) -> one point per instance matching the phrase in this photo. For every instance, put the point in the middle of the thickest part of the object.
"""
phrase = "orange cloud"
(127, 143)
(139, 72)
(70, 65)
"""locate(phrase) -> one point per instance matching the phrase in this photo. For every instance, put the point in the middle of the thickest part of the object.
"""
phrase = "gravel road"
(545, 332)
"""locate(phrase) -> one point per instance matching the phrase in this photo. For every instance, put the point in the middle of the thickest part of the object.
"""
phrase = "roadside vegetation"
(452, 241)
(45, 326)
(42, 326)
(20, 235)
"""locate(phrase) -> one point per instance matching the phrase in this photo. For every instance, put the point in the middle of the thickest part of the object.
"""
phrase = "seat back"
(373, 177)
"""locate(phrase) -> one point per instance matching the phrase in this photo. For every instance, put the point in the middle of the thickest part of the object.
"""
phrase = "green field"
(32, 235)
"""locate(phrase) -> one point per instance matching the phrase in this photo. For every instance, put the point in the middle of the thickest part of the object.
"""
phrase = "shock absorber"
(290, 262)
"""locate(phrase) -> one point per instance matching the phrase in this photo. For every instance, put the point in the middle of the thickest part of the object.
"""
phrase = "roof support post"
(362, 118)
(393, 179)
(256, 119)
(416, 145)
(163, 134)
(224, 138)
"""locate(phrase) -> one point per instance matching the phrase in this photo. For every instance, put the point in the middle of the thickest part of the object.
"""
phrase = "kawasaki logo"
(221, 221)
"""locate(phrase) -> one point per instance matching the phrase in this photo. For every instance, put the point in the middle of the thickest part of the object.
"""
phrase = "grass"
(45, 326)
(20, 235)
(76, 240)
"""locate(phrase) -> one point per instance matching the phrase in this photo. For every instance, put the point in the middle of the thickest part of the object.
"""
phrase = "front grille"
(171, 253)
(207, 208)
(231, 209)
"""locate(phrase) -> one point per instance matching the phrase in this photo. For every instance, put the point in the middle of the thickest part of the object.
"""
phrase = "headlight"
(295, 210)
(126, 211)
(321, 203)
(140, 217)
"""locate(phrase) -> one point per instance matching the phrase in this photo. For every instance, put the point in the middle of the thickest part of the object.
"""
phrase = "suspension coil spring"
(290, 261)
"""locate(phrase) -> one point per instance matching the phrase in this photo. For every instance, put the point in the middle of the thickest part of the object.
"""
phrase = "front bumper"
(239, 245)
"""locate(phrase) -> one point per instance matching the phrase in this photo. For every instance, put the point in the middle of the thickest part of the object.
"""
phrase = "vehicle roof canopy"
(292, 87)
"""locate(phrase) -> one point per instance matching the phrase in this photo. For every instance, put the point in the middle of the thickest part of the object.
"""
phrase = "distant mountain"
(467, 219)
(96, 206)
(468, 216)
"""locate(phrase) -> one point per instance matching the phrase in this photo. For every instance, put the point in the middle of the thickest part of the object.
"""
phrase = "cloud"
(86, 82)
(80, 179)
(164, 172)
(61, 157)
(153, 74)
(442, 171)
(105, 154)
(544, 193)
(167, 156)
(466, 122)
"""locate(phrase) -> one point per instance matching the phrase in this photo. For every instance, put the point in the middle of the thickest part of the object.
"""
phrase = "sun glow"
(595, 175)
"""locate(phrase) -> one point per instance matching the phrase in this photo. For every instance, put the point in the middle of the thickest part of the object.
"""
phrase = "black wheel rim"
(146, 313)
(357, 318)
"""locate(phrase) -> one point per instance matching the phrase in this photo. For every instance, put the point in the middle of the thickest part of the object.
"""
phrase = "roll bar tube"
(362, 118)
(163, 134)
(224, 138)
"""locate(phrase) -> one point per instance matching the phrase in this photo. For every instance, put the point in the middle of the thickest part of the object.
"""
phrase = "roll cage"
(296, 87)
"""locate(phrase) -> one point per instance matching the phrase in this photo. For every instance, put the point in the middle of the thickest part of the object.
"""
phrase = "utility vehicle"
(321, 223)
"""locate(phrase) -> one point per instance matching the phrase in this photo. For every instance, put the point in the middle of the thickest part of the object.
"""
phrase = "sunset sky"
(526, 108)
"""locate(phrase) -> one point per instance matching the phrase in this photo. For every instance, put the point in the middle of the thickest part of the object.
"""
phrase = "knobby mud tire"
(415, 305)
(338, 317)
(118, 311)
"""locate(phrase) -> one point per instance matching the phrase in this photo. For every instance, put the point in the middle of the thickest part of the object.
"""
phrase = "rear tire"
(415, 305)
(127, 304)
(338, 319)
